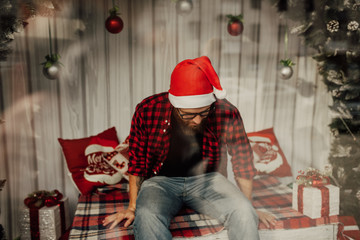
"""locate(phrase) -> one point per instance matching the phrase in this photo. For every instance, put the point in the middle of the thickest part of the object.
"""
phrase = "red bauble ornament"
(114, 24)
(235, 25)
(235, 28)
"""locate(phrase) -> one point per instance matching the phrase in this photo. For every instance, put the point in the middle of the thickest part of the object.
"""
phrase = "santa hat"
(100, 145)
(194, 83)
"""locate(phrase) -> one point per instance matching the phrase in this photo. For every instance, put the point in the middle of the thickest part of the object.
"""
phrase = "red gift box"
(348, 228)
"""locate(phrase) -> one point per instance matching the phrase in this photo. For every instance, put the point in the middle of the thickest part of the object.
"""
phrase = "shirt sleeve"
(239, 148)
(137, 145)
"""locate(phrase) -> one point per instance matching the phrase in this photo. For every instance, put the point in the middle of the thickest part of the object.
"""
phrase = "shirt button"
(161, 164)
(166, 121)
(155, 172)
(164, 130)
(169, 124)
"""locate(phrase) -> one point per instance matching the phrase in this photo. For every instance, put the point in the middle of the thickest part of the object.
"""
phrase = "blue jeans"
(160, 198)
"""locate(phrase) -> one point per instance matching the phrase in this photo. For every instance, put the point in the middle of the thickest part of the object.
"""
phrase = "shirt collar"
(167, 116)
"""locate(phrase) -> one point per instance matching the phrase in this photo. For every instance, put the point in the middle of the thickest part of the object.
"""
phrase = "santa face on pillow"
(266, 155)
(98, 170)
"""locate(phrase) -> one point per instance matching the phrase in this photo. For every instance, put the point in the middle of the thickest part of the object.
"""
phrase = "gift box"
(45, 222)
(348, 228)
(316, 201)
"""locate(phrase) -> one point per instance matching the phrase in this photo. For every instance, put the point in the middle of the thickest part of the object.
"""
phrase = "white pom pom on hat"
(194, 83)
(220, 94)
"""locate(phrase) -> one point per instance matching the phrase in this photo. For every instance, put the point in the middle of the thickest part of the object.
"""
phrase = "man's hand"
(127, 215)
(116, 218)
(266, 218)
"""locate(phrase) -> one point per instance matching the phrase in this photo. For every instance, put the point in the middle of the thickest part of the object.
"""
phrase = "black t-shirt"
(184, 158)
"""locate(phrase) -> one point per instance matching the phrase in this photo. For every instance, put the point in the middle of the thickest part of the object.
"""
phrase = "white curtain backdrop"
(105, 75)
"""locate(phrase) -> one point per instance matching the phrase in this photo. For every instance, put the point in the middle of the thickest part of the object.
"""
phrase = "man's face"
(193, 117)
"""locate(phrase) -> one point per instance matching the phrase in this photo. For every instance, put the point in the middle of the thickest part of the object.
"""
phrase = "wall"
(104, 76)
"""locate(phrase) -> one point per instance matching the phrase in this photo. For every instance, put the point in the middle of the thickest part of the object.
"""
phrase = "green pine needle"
(114, 11)
(287, 62)
(233, 18)
(51, 59)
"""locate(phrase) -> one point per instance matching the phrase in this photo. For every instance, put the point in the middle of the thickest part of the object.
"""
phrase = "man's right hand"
(116, 218)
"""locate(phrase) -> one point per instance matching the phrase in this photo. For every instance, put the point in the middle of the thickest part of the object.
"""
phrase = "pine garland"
(2, 233)
(14, 15)
(331, 27)
(8, 26)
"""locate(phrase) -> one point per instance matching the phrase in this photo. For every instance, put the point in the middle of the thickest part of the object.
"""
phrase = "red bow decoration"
(312, 177)
(39, 199)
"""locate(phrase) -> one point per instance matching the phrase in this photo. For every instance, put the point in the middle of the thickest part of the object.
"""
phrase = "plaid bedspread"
(269, 195)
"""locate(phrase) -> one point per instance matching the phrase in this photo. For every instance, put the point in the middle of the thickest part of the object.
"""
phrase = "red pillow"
(268, 156)
(84, 158)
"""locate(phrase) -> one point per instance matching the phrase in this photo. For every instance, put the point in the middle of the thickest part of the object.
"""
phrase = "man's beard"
(186, 125)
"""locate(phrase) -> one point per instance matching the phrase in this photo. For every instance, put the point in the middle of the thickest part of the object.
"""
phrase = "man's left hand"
(266, 218)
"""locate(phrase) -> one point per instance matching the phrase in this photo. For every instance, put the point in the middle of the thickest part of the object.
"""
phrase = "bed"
(269, 195)
(98, 198)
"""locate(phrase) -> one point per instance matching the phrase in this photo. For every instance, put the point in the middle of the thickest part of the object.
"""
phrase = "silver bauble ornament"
(184, 7)
(52, 72)
(286, 72)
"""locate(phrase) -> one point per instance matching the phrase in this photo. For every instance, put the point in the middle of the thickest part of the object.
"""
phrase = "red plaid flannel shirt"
(150, 133)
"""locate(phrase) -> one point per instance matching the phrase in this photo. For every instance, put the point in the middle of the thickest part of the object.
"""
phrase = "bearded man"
(178, 147)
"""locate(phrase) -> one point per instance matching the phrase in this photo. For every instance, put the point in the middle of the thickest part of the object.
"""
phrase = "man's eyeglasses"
(189, 116)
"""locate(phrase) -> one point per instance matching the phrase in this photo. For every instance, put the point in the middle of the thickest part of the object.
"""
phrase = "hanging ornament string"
(286, 39)
(286, 70)
(347, 127)
(50, 44)
(51, 67)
